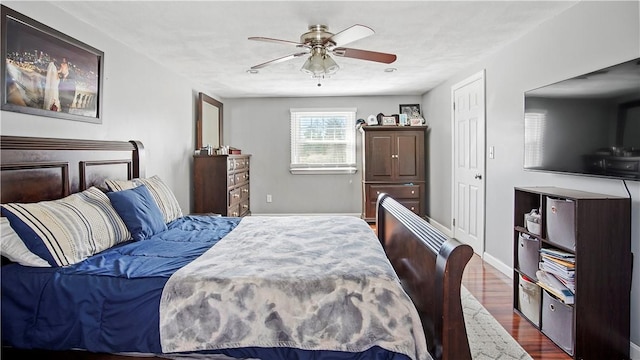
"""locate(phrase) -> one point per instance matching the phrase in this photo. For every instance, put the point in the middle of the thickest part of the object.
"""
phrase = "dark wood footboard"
(430, 267)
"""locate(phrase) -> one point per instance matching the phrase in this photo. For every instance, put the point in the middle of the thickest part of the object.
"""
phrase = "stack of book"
(557, 273)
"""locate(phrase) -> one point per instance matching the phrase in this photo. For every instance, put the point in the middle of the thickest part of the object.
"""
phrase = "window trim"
(317, 169)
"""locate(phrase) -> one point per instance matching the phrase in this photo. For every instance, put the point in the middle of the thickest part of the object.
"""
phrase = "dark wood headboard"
(35, 169)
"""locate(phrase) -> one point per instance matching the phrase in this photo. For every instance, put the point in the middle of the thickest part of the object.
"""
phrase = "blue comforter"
(52, 308)
(110, 302)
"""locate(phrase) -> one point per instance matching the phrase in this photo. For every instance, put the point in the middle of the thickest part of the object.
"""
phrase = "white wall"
(141, 101)
(260, 127)
(588, 36)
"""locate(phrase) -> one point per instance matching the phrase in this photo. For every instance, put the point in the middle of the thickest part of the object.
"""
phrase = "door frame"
(477, 76)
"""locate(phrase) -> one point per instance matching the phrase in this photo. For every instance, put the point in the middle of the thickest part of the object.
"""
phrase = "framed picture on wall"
(45, 72)
(412, 110)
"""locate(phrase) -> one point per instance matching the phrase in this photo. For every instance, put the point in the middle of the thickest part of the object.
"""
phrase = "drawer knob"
(413, 191)
(377, 192)
(236, 195)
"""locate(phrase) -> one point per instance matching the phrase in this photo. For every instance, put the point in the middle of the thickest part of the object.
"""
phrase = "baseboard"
(502, 267)
(634, 352)
(440, 227)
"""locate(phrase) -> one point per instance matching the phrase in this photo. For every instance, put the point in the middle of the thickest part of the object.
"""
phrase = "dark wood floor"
(494, 290)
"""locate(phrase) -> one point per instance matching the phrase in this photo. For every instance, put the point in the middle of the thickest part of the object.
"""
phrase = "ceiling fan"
(319, 42)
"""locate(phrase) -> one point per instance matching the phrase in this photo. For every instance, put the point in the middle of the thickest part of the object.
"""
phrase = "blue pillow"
(139, 212)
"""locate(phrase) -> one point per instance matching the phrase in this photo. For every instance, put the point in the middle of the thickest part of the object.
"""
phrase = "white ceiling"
(206, 41)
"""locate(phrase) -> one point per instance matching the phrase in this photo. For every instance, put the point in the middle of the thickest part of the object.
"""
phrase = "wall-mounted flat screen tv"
(588, 125)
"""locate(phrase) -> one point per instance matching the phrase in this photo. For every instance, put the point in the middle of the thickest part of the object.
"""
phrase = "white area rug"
(487, 338)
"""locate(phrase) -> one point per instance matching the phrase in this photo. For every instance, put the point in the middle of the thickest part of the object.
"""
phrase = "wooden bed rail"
(430, 267)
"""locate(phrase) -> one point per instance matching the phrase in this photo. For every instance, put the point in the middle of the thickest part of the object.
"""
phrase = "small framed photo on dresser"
(389, 120)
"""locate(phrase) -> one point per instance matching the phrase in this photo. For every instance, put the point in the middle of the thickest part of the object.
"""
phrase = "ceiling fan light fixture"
(319, 64)
(330, 66)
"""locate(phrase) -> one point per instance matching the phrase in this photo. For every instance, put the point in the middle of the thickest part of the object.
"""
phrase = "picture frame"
(45, 72)
(415, 122)
(410, 110)
(403, 120)
(388, 120)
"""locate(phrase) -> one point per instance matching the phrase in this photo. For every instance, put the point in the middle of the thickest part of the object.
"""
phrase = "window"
(323, 141)
(534, 124)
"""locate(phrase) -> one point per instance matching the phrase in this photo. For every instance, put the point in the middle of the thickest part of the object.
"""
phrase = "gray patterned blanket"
(309, 282)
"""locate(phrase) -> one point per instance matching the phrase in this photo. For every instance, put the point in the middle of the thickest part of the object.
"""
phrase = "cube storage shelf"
(596, 228)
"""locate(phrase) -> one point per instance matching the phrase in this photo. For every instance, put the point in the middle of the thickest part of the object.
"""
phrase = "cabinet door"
(379, 149)
(409, 151)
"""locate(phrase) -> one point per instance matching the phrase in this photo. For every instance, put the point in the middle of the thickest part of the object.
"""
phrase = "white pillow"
(161, 193)
(12, 247)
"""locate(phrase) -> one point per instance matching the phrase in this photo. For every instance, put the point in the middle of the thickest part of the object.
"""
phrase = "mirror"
(208, 122)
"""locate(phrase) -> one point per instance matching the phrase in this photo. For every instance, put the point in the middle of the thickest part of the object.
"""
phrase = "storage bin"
(561, 222)
(557, 321)
(528, 255)
(534, 227)
(529, 296)
(532, 221)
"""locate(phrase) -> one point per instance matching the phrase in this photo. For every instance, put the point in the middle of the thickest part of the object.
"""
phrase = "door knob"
(478, 176)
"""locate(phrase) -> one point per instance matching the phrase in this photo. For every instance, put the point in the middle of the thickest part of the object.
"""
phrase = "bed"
(161, 299)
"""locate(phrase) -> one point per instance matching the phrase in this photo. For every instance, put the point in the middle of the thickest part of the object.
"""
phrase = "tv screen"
(588, 125)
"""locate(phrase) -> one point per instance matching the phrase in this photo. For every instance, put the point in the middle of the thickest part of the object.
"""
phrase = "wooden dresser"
(221, 185)
(393, 163)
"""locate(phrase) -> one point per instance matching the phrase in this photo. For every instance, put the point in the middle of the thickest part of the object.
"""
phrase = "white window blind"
(534, 123)
(323, 141)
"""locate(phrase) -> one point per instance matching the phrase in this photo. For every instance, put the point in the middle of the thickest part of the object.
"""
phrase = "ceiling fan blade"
(279, 60)
(365, 55)
(351, 34)
(260, 38)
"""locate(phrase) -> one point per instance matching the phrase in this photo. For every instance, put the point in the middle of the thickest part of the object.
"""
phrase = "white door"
(468, 161)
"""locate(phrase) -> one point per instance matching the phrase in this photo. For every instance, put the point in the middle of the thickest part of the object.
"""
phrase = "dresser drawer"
(237, 164)
(234, 196)
(231, 180)
(234, 210)
(413, 205)
(241, 164)
(244, 208)
(395, 191)
(241, 177)
(244, 192)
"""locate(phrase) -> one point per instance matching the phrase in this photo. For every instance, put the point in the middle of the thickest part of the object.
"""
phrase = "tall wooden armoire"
(393, 163)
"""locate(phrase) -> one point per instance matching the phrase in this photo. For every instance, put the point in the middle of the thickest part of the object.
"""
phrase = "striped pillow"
(161, 193)
(69, 230)
(14, 249)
